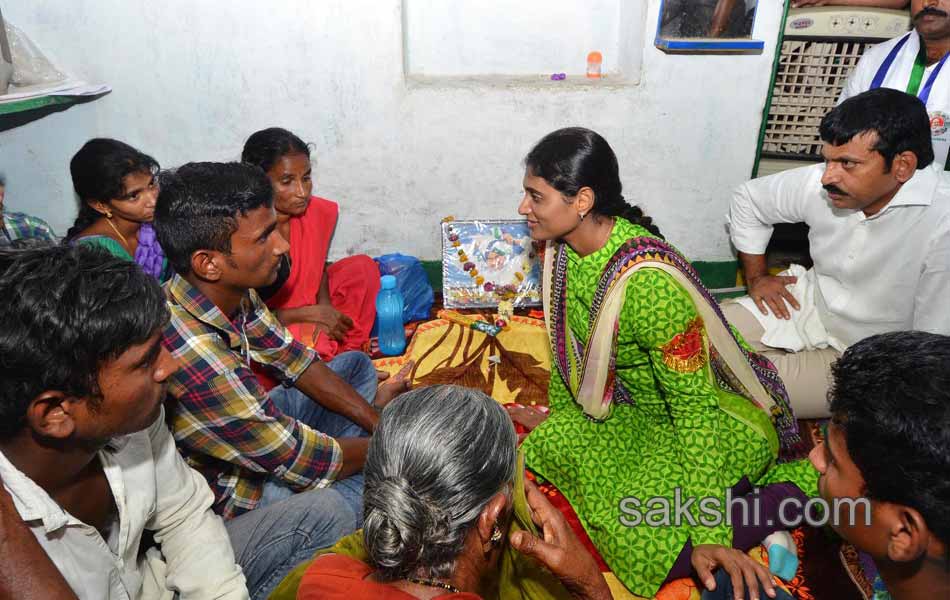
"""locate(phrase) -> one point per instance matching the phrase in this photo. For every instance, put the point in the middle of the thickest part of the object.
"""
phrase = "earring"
(108, 214)
(495, 536)
(582, 215)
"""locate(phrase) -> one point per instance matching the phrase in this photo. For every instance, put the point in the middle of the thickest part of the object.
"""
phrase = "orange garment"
(338, 577)
(353, 281)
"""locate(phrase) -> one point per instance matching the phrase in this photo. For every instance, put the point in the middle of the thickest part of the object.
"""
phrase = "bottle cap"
(388, 282)
(595, 57)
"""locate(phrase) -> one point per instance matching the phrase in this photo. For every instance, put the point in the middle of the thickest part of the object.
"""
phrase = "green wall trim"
(768, 98)
(433, 269)
(34, 103)
(715, 274)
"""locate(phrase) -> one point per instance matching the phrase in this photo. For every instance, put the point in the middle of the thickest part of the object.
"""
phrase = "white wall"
(523, 38)
(192, 78)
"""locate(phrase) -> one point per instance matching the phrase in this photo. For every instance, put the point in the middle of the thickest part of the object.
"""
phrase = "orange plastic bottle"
(594, 60)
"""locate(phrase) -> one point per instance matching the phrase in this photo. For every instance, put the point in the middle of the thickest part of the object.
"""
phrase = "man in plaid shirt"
(258, 450)
(18, 226)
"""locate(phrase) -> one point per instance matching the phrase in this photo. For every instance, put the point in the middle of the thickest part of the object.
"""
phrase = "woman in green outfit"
(651, 395)
(117, 187)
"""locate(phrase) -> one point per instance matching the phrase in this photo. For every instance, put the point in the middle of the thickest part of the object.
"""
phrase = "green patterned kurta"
(675, 435)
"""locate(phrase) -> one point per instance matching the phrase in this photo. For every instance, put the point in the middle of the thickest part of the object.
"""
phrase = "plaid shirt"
(18, 226)
(224, 423)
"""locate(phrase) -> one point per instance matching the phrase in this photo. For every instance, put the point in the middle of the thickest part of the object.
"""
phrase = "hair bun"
(403, 529)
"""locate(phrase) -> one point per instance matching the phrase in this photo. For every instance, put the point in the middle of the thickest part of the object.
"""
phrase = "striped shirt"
(224, 423)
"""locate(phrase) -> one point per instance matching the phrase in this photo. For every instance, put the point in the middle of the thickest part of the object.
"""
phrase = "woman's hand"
(560, 551)
(325, 317)
(328, 319)
(740, 567)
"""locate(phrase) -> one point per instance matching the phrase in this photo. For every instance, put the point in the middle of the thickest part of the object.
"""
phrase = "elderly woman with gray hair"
(438, 505)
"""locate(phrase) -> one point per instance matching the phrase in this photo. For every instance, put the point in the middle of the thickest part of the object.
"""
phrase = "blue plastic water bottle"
(389, 306)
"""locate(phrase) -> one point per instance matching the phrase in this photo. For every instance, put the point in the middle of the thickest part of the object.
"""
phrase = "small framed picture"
(707, 26)
(486, 262)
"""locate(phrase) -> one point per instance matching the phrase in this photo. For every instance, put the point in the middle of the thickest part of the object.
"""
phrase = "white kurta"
(898, 76)
(888, 272)
(153, 489)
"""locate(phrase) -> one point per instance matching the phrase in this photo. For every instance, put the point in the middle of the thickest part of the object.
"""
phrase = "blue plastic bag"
(413, 284)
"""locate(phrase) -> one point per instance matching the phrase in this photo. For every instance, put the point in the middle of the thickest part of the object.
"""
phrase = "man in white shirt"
(86, 459)
(879, 236)
(915, 63)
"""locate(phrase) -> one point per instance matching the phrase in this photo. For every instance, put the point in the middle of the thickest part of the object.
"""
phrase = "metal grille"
(809, 80)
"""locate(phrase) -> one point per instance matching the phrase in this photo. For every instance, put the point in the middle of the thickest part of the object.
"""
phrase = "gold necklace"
(124, 241)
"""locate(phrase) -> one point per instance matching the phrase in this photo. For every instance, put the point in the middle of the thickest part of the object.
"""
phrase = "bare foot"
(526, 416)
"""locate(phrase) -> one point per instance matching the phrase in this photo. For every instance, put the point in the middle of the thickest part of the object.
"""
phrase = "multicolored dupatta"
(589, 371)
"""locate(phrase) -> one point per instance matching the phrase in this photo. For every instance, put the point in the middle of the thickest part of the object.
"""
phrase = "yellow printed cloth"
(513, 366)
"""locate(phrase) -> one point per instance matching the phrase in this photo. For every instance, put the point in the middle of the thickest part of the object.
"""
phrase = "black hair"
(899, 120)
(66, 311)
(98, 170)
(267, 146)
(199, 204)
(3, 180)
(572, 158)
(891, 396)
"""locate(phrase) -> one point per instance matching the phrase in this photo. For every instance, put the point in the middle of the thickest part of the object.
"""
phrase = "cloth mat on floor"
(512, 366)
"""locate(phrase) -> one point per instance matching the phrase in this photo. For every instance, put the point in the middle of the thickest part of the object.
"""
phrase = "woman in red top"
(437, 506)
(332, 307)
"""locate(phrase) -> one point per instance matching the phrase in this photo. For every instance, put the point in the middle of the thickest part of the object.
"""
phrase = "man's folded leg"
(806, 374)
(357, 369)
(270, 541)
(353, 367)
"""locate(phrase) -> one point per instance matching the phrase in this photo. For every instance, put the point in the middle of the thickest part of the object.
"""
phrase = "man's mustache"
(930, 10)
(833, 189)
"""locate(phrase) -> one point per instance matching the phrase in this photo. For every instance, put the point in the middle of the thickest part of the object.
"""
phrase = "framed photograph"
(707, 26)
(486, 262)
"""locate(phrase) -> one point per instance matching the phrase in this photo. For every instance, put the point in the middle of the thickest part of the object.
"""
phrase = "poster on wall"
(486, 262)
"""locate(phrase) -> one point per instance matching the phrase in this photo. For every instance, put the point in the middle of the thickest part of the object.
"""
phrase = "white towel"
(804, 331)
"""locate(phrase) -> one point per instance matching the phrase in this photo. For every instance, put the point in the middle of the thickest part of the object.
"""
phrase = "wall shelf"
(20, 112)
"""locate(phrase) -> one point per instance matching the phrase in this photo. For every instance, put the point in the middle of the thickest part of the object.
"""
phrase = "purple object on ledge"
(558, 76)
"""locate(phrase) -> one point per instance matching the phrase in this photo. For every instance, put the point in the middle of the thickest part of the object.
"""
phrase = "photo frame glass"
(707, 18)
(486, 262)
(707, 26)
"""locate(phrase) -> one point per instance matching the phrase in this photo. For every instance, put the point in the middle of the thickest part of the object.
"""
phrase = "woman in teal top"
(117, 187)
